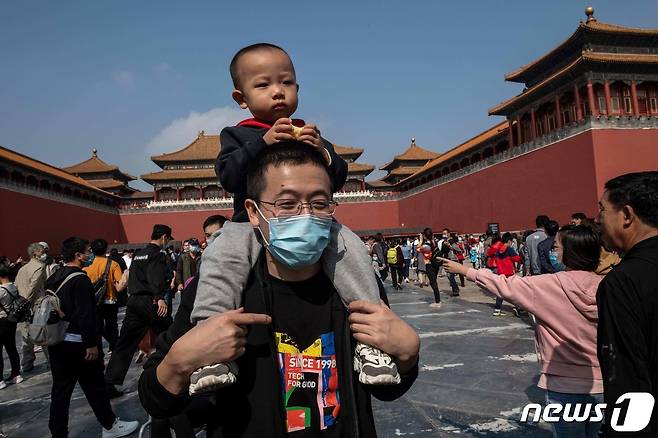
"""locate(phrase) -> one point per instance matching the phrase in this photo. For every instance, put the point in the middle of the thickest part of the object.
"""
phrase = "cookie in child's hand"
(296, 131)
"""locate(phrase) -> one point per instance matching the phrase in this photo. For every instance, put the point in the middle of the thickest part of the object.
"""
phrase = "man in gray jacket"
(30, 281)
(533, 240)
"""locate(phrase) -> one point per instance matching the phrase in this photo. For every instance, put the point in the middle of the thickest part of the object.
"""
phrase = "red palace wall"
(617, 152)
(184, 224)
(369, 215)
(557, 180)
(26, 219)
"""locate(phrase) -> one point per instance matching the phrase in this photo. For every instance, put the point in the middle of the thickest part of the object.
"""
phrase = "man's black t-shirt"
(306, 350)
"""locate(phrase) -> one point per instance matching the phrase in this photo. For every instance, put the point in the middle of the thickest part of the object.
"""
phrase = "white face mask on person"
(297, 241)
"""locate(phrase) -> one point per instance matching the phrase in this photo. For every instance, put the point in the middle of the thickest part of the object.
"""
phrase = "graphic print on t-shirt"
(309, 381)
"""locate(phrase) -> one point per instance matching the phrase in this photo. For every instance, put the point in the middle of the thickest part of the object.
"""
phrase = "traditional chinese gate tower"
(402, 166)
(188, 173)
(603, 72)
(102, 175)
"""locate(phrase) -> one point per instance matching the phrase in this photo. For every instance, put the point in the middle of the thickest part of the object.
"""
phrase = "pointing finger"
(251, 319)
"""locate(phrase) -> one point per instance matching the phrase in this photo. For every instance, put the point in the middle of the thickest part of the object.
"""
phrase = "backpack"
(47, 327)
(392, 256)
(19, 308)
(100, 285)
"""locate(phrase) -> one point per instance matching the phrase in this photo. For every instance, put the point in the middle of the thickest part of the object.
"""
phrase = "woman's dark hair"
(506, 237)
(73, 245)
(495, 239)
(427, 231)
(581, 247)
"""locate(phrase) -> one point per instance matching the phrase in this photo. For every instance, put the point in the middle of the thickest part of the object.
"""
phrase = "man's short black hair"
(160, 230)
(581, 247)
(285, 153)
(99, 247)
(541, 221)
(506, 237)
(579, 216)
(215, 219)
(73, 245)
(638, 190)
(233, 68)
(551, 228)
(6, 272)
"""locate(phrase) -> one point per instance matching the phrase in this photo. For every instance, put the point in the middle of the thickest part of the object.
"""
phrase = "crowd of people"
(573, 282)
(283, 325)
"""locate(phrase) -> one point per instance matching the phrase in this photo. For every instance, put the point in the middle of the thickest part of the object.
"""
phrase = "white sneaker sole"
(211, 382)
(381, 379)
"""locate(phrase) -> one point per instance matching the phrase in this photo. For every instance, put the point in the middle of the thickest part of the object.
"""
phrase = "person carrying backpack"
(395, 260)
(105, 273)
(77, 359)
(8, 293)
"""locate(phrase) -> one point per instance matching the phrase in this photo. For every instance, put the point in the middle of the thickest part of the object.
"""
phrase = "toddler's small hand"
(311, 134)
(280, 131)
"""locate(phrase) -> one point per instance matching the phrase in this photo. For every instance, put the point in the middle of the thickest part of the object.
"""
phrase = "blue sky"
(137, 78)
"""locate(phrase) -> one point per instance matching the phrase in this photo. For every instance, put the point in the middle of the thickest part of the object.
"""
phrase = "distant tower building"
(102, 175)
(402, 166)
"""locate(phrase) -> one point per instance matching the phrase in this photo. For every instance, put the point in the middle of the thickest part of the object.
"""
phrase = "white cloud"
(123, 77)
(182, 131)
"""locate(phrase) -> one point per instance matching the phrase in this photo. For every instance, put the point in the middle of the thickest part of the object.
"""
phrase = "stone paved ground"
(477, 373)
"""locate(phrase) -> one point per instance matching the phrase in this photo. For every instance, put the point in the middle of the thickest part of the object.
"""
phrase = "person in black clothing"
(380, 249)
(8, 292)
(114, 255)
(628, 296)
(146, 306)
(426, 238)
(545, 246)
(78, 359)
(291, 338)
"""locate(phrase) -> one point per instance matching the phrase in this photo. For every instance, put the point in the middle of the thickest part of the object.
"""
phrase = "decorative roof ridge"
(95, 161)
(347, 150)
(449, 154)
(170, 156)
(585, 55)
(495, 110)
(591, 25)
(425, 154)
(415, 147)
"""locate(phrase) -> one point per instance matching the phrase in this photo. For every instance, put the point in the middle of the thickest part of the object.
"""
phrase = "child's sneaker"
(3, 385)
(498, 313)
(213, 377)
(374, 366)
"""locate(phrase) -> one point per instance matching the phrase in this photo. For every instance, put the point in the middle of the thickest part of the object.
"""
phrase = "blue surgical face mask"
(89, 261)
(297, 241)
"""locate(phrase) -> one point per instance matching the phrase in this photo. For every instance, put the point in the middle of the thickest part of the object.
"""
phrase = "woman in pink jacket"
(564, 305)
